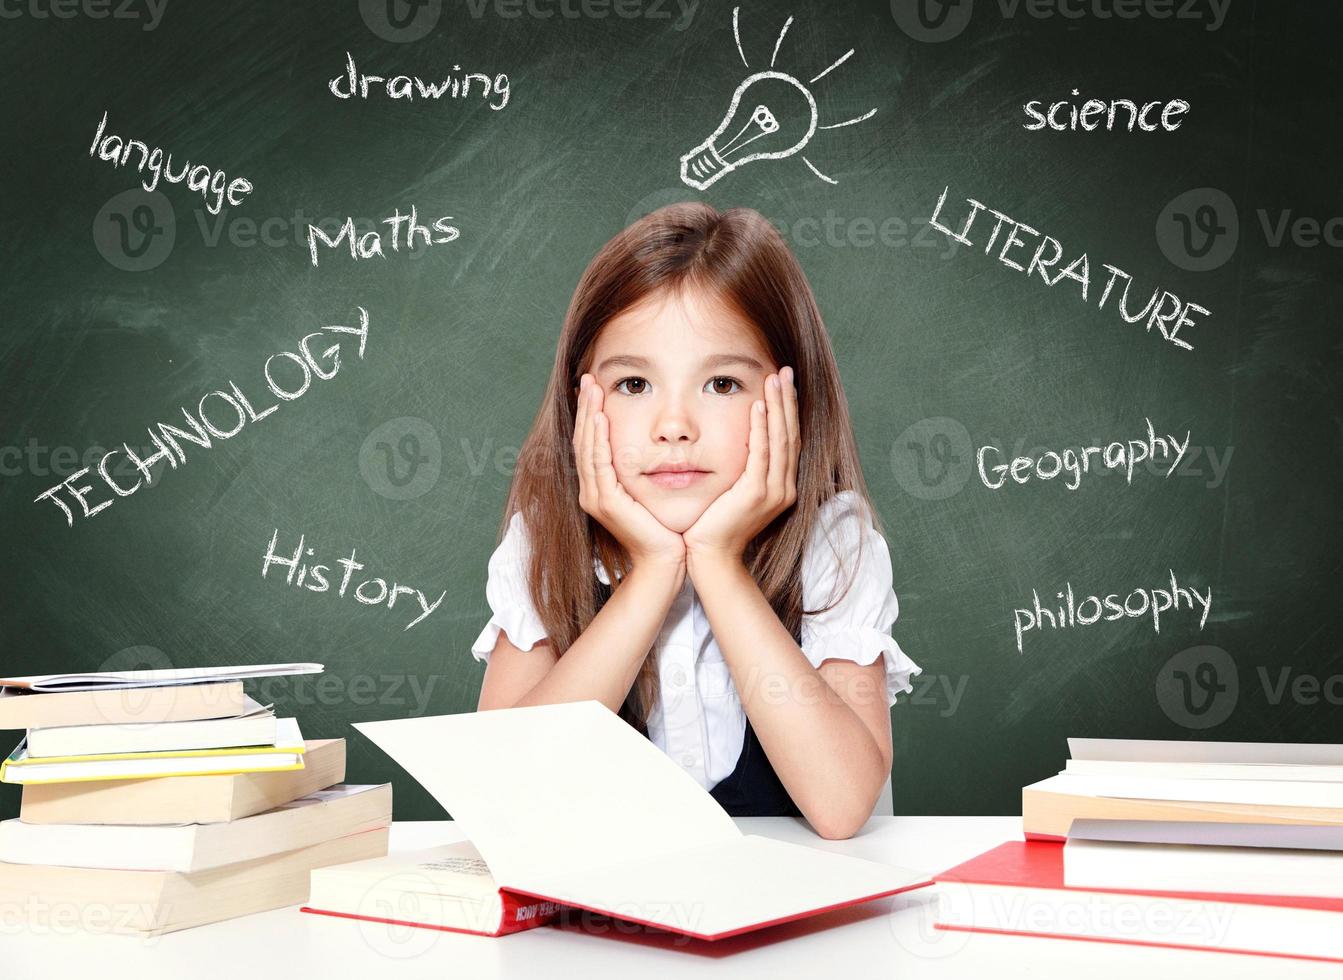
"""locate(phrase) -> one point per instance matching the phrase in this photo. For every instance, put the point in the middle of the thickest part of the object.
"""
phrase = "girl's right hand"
(646, 539)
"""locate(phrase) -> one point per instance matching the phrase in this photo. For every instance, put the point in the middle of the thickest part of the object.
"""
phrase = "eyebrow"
(713, 361)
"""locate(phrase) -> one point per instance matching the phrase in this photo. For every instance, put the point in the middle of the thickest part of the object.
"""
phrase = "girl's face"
(678, 378)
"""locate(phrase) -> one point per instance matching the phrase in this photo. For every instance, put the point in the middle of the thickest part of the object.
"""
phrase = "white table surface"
(886, 938)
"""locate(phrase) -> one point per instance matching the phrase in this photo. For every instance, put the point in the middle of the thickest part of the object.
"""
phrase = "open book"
(567, 803)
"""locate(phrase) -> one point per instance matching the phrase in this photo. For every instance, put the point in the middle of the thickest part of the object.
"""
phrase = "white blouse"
(699, 720)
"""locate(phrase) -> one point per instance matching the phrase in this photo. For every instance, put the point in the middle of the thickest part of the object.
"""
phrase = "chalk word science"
(219, 415)
(353, 85)
(1163, 309)
(1139, 602)
(207, 182)
(1091, 112)
(371, 592)
(403, 228)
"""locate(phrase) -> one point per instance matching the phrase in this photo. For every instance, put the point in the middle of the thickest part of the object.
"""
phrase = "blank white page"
(551, 787)
(725, 887)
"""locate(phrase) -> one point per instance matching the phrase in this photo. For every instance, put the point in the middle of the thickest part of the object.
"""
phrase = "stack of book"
(1224, 846)
(159, 800)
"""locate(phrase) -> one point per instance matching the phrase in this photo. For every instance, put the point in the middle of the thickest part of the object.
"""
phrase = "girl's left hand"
(768, 485)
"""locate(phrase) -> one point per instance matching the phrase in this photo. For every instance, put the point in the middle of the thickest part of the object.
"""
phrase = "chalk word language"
(1089, 115)
(1163, 308)
(1115, 456)
(356, 85)
(404, 227)
(224, 419)
(371, 592)
(210, 184)
(1139, 602)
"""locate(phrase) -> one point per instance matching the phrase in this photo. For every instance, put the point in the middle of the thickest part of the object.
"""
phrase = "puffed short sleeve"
(858, 627)
(508, 596)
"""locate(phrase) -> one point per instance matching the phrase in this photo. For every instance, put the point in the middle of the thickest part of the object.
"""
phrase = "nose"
(675, 420)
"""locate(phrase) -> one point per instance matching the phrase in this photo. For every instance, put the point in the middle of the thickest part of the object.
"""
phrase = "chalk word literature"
(1163, 309)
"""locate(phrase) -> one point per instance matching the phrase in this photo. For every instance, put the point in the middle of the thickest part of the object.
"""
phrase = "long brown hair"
(739, 257)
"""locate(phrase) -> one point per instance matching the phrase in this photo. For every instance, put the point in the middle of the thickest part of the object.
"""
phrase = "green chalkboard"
(561, 123)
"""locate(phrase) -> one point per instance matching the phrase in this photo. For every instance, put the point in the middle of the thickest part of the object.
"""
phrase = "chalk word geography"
(1116, 455)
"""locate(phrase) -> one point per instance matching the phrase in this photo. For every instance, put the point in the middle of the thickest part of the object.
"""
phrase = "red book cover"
(520, 913)
(1039, 864)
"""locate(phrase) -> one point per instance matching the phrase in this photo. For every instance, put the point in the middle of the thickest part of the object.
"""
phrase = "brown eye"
(725, 380)
(636, 381)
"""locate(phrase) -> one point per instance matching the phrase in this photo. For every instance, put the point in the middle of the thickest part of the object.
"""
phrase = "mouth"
(676, 479)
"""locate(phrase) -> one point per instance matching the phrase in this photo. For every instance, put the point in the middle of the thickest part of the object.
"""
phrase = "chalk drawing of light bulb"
(772, 115)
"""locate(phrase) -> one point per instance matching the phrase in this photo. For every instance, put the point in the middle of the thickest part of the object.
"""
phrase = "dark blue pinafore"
(752, 789)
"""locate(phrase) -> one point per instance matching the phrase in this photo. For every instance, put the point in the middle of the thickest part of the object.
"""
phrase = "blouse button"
(688, 761)
(678, 676)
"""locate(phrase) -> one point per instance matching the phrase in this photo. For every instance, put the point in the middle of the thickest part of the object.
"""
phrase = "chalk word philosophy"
(406, 86)
(371, 592)
(404, 227)
(224, 420)
(1167, 312)
(1071, 613)
(1115, 456)
(200, 178)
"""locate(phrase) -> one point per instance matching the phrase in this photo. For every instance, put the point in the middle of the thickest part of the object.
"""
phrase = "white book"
(1202, 868)
(112, 679)
(324, 815)
(1173, 750)
(1206, 770)
(567, 803)
(285, 754)
(1319, 837)
(1263, 792)
(256, 726)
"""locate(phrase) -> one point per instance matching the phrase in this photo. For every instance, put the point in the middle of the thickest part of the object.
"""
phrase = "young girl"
(688, 536)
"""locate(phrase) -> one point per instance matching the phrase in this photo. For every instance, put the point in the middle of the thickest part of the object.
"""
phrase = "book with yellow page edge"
(184, 799)
(568, 804)
(285, 754)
